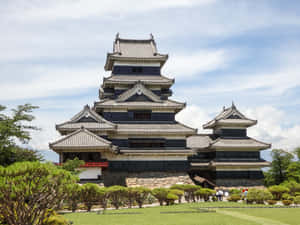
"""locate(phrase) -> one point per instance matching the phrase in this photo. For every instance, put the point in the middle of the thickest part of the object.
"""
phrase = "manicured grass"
(189, 214)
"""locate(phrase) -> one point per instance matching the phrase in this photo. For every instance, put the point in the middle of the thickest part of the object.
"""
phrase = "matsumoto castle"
(130, 136)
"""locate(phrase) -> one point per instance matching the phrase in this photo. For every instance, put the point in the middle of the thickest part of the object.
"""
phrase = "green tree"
(90, 195)
(141, 195)
(177, 192)
(130, 196)
(117, 195)
(297, 153)
(74, 195)
(72, 165)
(28, 190)
(160, 194)
(293, 172)
(277, 191)
(16, 127)
(189, 192)
(103, 195)
(280, 161)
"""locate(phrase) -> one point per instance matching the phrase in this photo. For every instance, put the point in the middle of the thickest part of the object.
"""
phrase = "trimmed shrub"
(258, 196)
(287, 202)
(293, 186)
(235, 191)
(171, 198)
(278, 190)
(160, 194)
(117, 195)
(287, 196)
(189, 192)
(234, 198)
(90, 195)
(103, 197)
(177, 192)
(271, 202)
(141, 195)
(130, 196)
(55, 219)
(178, 186)
(297, 200)
(74, 196)
(205, 193)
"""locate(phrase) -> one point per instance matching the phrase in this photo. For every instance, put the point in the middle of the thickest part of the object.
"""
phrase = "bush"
(74, 196)
(160, 194)
(177, 192)
(141, 195)
(130, 196)
(90, 195)
(293, 187)
(287, 202)
(178, 187)
(258, 196)
(278, 190)
(55, 219)
(189, 192)
(205, 193)
(116, 195)
(235, 191)
(31, 187)
(171, 198)
(287, 196)
(297, 200)
(103, 196)
(271, 202)
(234, 198)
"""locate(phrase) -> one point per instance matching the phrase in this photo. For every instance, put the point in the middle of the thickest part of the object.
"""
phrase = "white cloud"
(194, 116)
(272, 127)
(44, 81)
(184, 65)
(53, 10)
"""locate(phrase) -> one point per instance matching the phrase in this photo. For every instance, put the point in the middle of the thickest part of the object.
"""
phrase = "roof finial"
(117, 36)
(233, 105)
(151, 36)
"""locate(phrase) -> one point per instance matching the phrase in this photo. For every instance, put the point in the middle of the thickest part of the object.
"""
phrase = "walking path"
(256, 219)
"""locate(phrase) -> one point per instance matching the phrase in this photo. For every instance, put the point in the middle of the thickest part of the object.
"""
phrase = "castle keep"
(130, 136)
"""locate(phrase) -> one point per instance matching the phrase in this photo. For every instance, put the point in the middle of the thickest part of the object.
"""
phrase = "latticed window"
(143, 115)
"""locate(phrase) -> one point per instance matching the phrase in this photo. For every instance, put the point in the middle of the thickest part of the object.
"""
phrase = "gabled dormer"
(230, 118)
(88, 119)
(138, 93)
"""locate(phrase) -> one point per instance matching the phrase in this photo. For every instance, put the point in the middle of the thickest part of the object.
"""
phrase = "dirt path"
(256, 219)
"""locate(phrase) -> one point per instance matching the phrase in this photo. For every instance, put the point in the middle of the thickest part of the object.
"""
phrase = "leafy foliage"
(12, 127)
(160, 194)
(90, 195)
(278, 172)
(141, 195)
(293, 172)
(117, 194)
(177, 192)
(28, 190)
(72, 165)
(74, 195)
(278, 190)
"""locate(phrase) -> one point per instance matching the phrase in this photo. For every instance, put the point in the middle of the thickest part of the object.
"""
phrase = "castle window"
(137, 69)
(142, 115)
(144, 143)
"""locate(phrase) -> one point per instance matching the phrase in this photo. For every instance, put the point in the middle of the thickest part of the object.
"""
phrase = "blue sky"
(53, 52)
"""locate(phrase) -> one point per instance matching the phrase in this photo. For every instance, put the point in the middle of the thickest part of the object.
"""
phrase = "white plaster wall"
(90, 173)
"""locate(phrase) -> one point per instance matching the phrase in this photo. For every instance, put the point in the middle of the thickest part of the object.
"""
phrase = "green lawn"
(189, 214)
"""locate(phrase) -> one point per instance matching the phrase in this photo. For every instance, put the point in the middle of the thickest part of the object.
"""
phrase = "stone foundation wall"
(146, 179)
(157, 179)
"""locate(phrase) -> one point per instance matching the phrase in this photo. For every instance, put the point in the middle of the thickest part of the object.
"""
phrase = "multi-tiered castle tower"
(130, 137)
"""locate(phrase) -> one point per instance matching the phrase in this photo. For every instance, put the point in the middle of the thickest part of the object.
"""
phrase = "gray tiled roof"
(165, 104)
(155, 129)
(74, 124)
(205, 141)
(239, 143)
(224, 119)
(81, 139)
(134, 50)
(131, 79)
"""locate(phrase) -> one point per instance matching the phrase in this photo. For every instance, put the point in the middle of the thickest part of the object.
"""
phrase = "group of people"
(220, 194)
